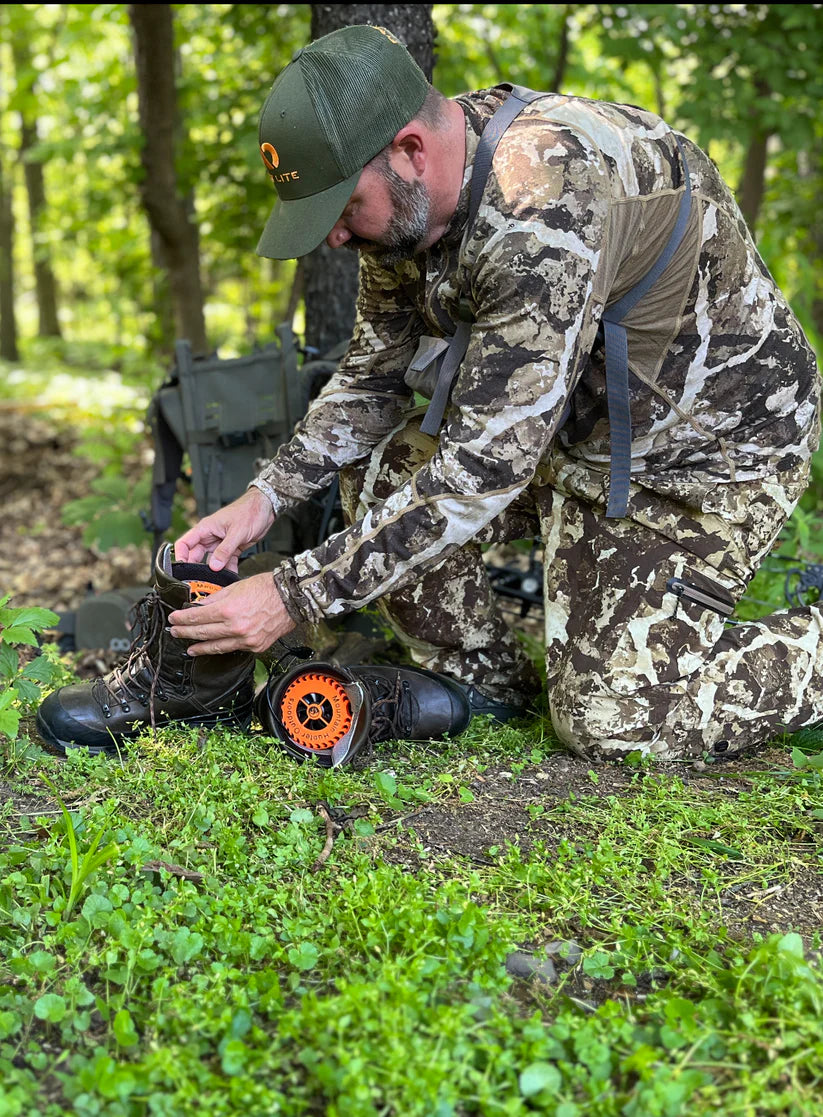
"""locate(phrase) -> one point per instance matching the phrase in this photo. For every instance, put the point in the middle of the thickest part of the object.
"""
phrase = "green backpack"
(228, 415)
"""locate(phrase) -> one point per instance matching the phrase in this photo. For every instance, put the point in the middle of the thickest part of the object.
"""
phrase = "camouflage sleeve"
(532, 258)
(359, 404)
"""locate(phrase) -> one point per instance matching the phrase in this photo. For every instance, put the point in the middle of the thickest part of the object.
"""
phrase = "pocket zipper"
(688, 592)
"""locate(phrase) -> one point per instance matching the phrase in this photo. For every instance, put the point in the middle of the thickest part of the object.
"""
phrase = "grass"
(206, 968)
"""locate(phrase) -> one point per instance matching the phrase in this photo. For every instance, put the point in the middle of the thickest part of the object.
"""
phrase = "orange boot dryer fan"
(318, 710)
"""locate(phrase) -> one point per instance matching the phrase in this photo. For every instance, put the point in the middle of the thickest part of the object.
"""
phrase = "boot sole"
(58, 747)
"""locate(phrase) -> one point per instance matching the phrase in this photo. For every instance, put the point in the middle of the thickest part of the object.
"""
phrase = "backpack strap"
(459, 343)
(617, 358)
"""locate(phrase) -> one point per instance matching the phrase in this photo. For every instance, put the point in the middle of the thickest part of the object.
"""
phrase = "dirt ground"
(45, 563)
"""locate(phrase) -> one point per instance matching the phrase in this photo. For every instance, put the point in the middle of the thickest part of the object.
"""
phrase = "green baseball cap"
(339, 102)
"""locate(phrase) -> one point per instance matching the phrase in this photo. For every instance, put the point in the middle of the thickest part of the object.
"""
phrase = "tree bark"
(8, 321)
(168, 211)
(562, 59)
(44, 281)
(753, 182)
(330, 277)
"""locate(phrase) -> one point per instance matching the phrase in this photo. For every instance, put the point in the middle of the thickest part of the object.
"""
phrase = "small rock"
(567, 950)
(524, 965)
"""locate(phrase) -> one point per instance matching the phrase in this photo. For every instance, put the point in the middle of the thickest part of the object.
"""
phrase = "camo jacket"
(581, 199)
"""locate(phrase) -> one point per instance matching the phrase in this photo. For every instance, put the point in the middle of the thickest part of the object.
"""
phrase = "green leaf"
(41, 670)
(50, 1007)
(240, 1023)
(301, 816)
(260, 817)
(304, 956)
(385, 783)
(792, 944)
(42, 961)
(715, 847)
(35, 618)
(27, 691)
(94, 906)
(9, 1024)
(186, 945)
(235, 1056)
(598, 965)
(83, 510)
(9, 723)
(9, 662)
(19, 634)
(538, 1077)
(115, 529)
(124, 1031)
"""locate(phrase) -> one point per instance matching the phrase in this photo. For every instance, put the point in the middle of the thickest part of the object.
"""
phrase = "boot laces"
(147, 620)
(392, 708)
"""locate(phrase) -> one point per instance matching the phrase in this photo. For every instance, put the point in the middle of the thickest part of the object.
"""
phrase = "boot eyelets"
(124, 706)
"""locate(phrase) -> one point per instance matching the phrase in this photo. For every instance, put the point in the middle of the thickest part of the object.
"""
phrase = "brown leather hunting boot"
(159, 683)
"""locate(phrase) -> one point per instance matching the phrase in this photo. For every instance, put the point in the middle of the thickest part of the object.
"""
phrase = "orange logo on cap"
(270, 157)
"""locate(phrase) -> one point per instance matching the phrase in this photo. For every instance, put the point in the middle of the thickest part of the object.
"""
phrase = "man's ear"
(412, 145)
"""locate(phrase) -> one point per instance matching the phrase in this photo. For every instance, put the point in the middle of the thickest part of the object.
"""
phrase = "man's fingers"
(217, 647)
(227, 553)
(190, 549)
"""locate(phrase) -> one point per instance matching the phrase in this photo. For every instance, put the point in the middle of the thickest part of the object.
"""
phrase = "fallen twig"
(332, 830)
(175, 870)
(398, 819)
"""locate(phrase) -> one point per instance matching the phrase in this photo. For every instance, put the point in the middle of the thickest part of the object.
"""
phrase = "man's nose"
(338, 236)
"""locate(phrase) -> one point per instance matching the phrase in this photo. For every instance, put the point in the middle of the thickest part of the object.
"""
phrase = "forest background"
(91, 275)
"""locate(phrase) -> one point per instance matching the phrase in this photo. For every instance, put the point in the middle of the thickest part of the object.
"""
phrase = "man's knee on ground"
(597, 724)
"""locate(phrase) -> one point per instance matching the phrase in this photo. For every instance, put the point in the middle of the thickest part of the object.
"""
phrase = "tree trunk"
(8, 321)
(168, 212)
(330, 276)
(752, 184)
(562, 59)
(44, 281)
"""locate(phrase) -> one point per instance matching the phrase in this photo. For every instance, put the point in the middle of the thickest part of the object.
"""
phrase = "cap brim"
(298, 226)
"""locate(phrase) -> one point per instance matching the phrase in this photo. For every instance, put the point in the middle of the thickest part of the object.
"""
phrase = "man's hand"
(247, 616)
(228, 532)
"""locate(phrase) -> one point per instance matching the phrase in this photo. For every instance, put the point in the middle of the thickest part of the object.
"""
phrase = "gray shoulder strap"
(617, 358)
(459, 343)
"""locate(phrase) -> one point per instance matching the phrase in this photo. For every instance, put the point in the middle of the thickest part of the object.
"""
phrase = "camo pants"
(631, 665)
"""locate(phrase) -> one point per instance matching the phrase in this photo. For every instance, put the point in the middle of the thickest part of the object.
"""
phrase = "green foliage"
(110, 512)
(20, 685)
(202, 967)
(93, 858)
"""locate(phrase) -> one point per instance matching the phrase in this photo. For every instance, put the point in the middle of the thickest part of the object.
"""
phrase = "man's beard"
(408, 226)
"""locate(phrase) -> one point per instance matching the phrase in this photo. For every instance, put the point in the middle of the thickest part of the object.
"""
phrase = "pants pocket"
(667, 630)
